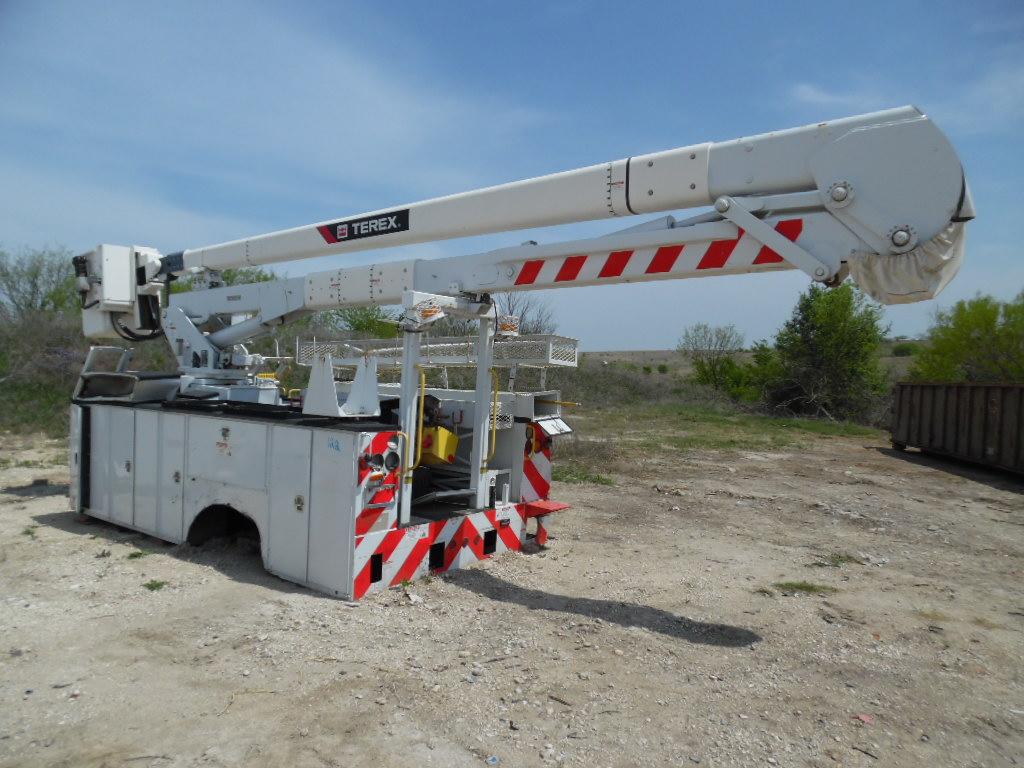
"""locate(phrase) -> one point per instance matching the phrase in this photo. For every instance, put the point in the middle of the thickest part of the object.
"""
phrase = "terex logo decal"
(366, 226)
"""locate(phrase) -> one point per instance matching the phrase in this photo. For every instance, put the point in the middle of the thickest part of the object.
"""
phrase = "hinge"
(733, 210)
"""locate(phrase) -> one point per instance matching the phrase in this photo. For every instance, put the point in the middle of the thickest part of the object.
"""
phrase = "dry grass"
(608, 439)
(578, 461)
(804, 587)
(930, 614)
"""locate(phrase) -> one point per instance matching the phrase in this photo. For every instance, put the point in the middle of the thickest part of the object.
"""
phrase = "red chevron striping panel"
(507, 534)
(386, 548)
(412, 561)
(789, 229)
(718, 253)
(541, 486)
(615, 264)
(366, 520)
(467, 535)
(664, 259)
(570, 269)
(528, 274)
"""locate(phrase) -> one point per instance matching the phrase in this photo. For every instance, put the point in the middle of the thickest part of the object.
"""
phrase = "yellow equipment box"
(439, 445)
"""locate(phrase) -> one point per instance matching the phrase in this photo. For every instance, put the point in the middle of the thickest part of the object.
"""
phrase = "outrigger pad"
(542, 507)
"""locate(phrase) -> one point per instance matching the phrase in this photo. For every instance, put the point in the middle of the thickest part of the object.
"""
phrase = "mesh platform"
(534, 351)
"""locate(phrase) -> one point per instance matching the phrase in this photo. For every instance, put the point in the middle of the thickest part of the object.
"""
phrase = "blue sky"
(178, 125)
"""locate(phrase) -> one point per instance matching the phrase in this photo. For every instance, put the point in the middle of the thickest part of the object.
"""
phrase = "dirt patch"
(651, 632)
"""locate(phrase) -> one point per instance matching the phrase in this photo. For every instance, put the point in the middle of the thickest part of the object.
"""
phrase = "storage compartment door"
(147, 424)
(332, 512)
(288, 543)
(75, 457)
(170, 477)
(122, 464)
(98, 435)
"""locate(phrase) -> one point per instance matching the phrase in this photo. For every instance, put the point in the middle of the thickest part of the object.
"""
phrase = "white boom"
(881, 195)
(864, 150)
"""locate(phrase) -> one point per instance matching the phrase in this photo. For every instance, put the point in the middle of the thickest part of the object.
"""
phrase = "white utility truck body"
(360, 484)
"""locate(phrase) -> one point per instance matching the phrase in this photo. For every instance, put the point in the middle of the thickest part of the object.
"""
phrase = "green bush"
(825, 360)
(980, 339)
(904, 349)
(748, 382)
(372, 322)
(712, 351)
(662, 368)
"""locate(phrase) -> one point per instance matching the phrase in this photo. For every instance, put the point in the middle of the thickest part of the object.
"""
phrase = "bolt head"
(721, 205)
(840, 192)
(900, 238)
(650, 191)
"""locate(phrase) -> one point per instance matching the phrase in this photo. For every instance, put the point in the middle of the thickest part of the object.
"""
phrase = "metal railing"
(532, 351)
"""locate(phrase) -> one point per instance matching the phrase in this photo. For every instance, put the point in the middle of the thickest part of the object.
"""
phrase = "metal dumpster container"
(982, 423)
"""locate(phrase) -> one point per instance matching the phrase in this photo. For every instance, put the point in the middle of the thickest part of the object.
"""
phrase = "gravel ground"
(652, 631)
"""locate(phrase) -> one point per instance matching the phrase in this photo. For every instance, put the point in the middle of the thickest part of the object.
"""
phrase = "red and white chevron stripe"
(404, 552)
(742, 251)
(536, 480)
(379, 510)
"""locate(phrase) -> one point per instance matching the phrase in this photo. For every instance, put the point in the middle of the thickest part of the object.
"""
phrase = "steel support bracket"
(733, 210)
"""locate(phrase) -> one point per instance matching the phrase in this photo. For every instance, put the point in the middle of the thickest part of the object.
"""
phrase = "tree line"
(826, 359)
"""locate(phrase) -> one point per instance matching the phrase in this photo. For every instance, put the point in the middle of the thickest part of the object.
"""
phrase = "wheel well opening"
(222, 522)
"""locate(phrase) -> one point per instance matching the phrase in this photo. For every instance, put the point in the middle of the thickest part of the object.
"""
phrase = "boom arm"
(881, 196)
(891, 157)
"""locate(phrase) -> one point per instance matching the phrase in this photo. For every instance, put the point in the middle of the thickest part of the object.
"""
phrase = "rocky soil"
(839, 605)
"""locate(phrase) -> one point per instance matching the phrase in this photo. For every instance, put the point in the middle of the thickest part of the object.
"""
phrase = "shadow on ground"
(993, 477)
(614, 611)
(237, 558)
(36, 488)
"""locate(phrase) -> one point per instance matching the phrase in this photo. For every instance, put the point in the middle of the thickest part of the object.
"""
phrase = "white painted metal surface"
(288, 489)
(331, 518)
(260, 471)
(148, 486)
(75, 455)
(170, 444)
(770, 163)
(110, 464)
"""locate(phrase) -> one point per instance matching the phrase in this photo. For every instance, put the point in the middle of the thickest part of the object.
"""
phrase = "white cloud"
(991, 101)
(853, 101)
(53, 210)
